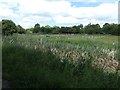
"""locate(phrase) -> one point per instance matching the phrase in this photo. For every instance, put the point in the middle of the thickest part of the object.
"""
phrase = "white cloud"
(42, 6)
(59, 12)
(90, 0)
(107, 12)
(8, 3)
(65, 20)
(32, 20)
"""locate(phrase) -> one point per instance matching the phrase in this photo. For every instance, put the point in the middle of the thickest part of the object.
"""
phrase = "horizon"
(59, 12)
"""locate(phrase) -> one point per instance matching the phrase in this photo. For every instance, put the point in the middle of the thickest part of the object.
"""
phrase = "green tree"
(88, 29)
(80, 28)
(106, 28)
(75, 29)
(96, 29)
(56, 30)
(20, 30)
(36, 28)
(64, 30)
(29, 30)
(92, 29)
(47, 29)
(8, 27)
(113, 29)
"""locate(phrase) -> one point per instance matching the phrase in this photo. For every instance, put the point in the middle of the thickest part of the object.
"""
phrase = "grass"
(0, 61)
(29, 67)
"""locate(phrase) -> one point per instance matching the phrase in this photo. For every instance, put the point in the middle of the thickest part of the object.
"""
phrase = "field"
(59, 61)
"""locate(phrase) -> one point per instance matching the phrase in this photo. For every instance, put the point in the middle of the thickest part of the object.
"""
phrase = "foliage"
(56, 30)
(8, 27)
(36, 28)
(111, 29)
(92, 29)
(59, 61)
(29, 30)
(20, 30)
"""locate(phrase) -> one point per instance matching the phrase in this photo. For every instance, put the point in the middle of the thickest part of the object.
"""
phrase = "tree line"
(9, 27)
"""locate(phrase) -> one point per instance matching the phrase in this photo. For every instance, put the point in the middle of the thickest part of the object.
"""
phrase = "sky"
(59, 12)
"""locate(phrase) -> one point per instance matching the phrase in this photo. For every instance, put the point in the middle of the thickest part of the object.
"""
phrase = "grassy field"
(59, 61)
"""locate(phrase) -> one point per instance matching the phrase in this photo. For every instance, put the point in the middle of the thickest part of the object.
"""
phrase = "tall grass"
(58, 61)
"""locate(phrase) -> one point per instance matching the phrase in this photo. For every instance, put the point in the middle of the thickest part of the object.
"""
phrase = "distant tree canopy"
(36, 28)
(9, 27)
(92, 29)
(56, 30)
(29, 30)
(111, 29)
(20, 30)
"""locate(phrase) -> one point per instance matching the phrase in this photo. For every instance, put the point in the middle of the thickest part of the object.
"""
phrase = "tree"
(88, 29)
(56, 30)
(96, 29)
(113, 29)
(80, 28)
(75, 29)
(36, 28)
(106, 28)
(29, 30)
(47, 29)
(20, 30)
(8, 27)
(92, 29)
(64, 30)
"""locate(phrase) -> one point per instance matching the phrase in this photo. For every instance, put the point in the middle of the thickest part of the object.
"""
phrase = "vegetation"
(9, 27)
(60, 61)
(59, 57)
(20, 30)
(36, 28)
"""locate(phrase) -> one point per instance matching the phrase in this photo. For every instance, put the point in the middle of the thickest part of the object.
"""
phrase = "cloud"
(91, 0)
(65, 20)
(42, 6)
(57, 12)
(104, 12)
(32, 20)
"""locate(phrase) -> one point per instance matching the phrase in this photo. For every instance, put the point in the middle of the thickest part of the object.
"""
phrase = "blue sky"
(85, 4)
(59, 12)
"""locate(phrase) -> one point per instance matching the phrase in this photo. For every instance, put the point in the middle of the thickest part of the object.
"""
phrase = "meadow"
(61, 61)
